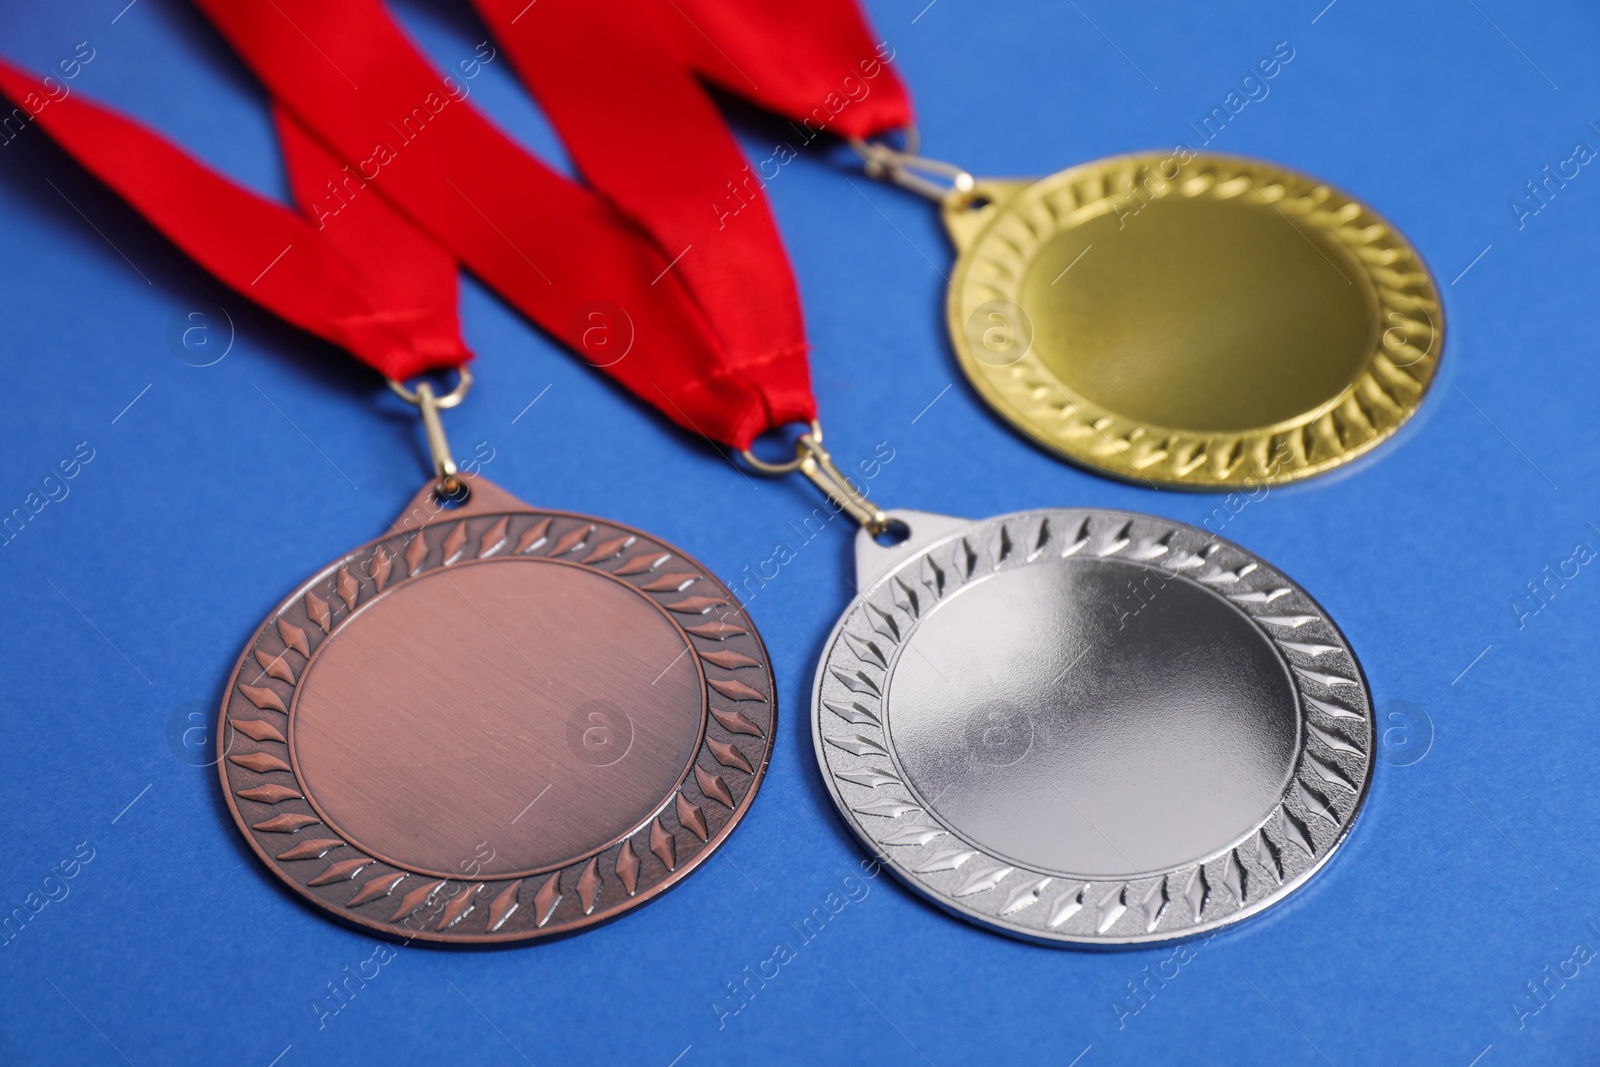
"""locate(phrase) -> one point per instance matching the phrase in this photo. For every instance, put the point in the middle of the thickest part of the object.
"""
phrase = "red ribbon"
(375, 287)
(624, 84)
(816, 63)
(669, 273)
(559, 252)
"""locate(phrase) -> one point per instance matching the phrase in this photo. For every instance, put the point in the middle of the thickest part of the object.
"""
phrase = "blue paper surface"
(1468, 884)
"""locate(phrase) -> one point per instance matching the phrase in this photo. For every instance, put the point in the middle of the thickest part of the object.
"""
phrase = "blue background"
(124, 604)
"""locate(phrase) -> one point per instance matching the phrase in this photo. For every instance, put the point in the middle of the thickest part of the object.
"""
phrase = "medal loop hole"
(894, 532)
(451, 492)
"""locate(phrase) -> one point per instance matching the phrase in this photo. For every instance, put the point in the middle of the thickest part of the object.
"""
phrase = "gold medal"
(1203, 322)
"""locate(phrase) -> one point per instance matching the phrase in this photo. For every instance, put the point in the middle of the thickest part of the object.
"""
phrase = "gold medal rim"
(1378, 399)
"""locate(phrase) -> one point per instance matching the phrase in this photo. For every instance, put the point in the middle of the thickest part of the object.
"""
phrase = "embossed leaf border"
(269, 799)
(1326, 788)
(1384, 394)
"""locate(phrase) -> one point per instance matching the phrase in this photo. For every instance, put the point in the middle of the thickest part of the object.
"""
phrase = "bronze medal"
(495, 723)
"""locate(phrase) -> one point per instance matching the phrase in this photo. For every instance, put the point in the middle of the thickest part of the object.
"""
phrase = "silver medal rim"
(1298, 848)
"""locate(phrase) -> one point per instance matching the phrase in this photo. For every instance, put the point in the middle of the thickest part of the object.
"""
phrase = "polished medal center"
(1212, 315)
(1089, 727)
(1215, 322)
(1093, 718)
(494, 704)
(496, 724)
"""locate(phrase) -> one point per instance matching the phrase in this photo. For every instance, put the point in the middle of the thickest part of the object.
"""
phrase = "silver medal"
(1089, 727)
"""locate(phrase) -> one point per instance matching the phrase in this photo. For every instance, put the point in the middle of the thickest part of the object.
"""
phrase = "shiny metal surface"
(1090, 727)
(1211, 321)
(495, 723)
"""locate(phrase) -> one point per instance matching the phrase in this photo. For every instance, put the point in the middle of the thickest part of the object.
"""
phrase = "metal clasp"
(813, 461)
(905, 168)
(424, 399)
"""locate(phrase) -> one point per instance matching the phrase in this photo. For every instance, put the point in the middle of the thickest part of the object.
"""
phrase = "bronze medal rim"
(505, 504)
(688, 767)
(1342, 428)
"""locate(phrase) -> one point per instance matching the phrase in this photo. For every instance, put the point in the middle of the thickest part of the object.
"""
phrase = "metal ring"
(448, 400)
(934, 179)
(867, 149)
(761, 465)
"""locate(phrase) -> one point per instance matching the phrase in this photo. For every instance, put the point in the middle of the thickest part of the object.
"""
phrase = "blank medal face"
(450, 703)
(1137, 735)
(1093, 727)
(496, 725)
(1218, 322)
(1258, 321)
